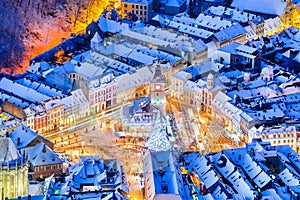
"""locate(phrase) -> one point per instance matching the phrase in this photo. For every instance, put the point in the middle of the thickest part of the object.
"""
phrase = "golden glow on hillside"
(52, 33)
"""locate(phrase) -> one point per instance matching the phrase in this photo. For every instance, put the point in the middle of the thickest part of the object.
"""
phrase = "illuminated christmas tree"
(158, 140)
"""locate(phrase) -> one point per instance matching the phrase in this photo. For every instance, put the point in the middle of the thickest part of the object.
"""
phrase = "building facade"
(284, 135)
(141, 8)
(43, 161)
(54, 108)
(234, 33)
(13, 171)
(178, 80)
(102, 93)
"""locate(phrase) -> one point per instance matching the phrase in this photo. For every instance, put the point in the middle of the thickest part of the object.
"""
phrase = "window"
(137, 6)
(125, 5)
(160, 163)
(132, 6)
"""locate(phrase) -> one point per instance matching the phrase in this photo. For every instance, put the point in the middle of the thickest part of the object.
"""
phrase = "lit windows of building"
(102, 93)
(141, 8)
(13, 171)
(278, 135)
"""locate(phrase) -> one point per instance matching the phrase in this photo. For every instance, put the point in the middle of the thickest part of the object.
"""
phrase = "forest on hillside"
(30, 27)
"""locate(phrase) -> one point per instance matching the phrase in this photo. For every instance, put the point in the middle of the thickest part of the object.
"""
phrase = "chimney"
(18, 141)
(44, 148)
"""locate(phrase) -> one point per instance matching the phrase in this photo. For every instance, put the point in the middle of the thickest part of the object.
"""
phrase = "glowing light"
(59, 56)
(51, 33)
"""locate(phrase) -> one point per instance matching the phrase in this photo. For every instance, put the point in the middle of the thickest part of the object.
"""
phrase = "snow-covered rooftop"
(22, 136)
(41, 154)
(21, 91)
(271, 7)
(182, 75)
(108, 25)
(232, 14)
(230, 32)
(141, 76)
(212, 23)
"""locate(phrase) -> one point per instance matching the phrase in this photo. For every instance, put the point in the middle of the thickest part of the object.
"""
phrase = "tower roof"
(96, 38)
(158, 77)
(210, 76)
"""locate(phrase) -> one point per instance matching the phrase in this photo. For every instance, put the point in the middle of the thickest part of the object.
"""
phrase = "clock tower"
(157, 88)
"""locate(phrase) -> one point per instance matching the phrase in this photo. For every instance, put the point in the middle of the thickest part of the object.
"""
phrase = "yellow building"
(293, 15)
(141, 8)
(13, 171)
(290, 15)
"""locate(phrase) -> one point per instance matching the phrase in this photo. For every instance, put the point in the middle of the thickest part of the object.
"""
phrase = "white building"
(237, 53)
(102, 92)
(178, 80)
(226, 112)
(278, 135)
(272, 26)
(139, 115)
(191, 50)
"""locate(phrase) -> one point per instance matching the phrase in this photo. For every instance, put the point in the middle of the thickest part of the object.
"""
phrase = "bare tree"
(74, 8)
